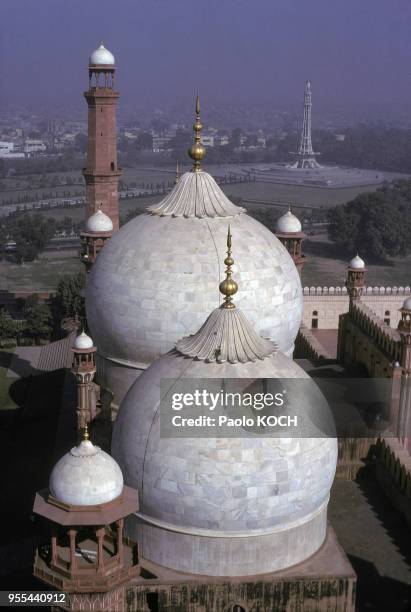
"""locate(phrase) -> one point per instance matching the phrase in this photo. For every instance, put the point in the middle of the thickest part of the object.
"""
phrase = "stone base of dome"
(232, 554)
(325, 581)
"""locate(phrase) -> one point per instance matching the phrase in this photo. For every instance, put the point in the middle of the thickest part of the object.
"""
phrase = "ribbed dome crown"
(196, 195)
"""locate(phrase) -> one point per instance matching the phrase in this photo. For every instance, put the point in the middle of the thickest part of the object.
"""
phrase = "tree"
(144, 142)
(376, 224)
(31, 234)
(8, 326)
(69, 303)
(80, 142)
(39, 322)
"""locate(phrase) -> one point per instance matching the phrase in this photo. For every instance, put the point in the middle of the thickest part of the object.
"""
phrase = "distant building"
(208, 141)
(160, 143)
(32, 146)
(8, 150)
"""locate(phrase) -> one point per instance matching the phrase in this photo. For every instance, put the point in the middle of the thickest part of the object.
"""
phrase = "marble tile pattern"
(199, 491)
(157, 280)
(86, 476)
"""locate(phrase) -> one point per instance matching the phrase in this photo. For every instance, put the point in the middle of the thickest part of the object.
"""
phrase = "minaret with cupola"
(84, 369)
(98, 230)
(289, 232)
(355, 282)
(101, 172)
(87, 559)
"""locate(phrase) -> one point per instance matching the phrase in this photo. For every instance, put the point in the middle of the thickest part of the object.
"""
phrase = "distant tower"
(305, 154)
(355, 278)
(101, 172)
(289, 231)
(84, 368)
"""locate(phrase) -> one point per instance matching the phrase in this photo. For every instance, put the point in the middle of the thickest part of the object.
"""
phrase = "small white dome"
(99, 222)
(102, 56)
(288, 224)
(83, 341)
(357, 263)
(86, 476)
(407, 303)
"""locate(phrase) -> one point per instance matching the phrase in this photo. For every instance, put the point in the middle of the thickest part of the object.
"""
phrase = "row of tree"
(378, 225)
(45, 322)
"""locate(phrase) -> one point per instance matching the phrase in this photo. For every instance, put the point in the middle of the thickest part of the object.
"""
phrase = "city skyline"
(234, 56)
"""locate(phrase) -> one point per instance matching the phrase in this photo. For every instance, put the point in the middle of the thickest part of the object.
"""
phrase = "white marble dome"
(357, 263)
(157, 280)
(102, 56)
(83, 341)
(86, 476)
(225, 506)
(99, 222)
(288, 224)
(407, 303)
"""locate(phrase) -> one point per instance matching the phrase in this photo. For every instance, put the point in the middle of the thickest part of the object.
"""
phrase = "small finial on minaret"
(197, 151)
(177, 173)
(228, 287)
(85, 433)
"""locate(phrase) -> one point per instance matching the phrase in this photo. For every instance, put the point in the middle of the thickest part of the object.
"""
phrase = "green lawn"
(43, 273)
(327, 266)
(6, 403)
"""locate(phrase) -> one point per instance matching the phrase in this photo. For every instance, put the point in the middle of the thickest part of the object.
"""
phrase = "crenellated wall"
(324, 305)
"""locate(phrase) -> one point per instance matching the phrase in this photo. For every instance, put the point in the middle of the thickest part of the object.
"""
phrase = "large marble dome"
(228, 506)
(143, 292)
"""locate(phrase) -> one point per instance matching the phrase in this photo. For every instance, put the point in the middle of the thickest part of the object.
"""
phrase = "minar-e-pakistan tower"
(305, 154)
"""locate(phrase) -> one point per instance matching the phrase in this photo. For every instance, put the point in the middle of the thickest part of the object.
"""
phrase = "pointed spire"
(228, 287)
(197, 151)
(177, 173)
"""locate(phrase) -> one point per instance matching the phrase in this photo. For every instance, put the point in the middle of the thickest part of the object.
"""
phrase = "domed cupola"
(228, 505)
(142, 293)
(357, 263)
(83, 341)
(99, 222)
(288, 224)
(86, 476)
(101, 57)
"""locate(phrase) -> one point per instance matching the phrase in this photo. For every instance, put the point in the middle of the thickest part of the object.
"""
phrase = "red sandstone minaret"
(101, 172)
(289, 231)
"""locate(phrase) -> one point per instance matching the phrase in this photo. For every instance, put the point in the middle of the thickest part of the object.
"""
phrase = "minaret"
(355, 282)
(88, 559)
(305, 154)
(101, 172)
(84, 369)
(289, 232)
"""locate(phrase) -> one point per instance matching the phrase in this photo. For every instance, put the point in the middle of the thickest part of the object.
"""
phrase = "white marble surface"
(157, 280)
(224, 485)
(86, 476)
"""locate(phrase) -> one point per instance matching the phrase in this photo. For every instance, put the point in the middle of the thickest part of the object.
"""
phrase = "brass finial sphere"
(228, 287)
(197, 152)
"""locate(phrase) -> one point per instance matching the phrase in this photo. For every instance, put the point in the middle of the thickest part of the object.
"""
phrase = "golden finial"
(228, 287)
(177, 174)
(197, 151)
(85, 433)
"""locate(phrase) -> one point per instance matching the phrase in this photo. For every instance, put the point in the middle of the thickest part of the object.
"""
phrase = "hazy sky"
(356, 52)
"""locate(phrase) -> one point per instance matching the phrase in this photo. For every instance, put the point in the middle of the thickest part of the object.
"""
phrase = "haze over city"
(233, 54)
